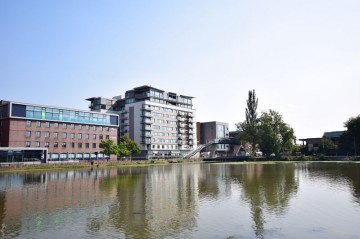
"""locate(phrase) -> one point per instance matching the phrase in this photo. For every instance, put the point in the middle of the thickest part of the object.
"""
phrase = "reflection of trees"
(338, 173)
(208, 182)
(267, 187)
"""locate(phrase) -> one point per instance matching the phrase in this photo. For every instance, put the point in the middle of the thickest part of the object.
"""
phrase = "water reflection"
(173, 201)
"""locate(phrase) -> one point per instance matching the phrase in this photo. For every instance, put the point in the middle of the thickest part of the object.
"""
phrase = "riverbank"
(61, 165)
(64, 165)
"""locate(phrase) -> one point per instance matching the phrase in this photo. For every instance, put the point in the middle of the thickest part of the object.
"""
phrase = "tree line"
(267, 133)
(125, 147)
(271, 135)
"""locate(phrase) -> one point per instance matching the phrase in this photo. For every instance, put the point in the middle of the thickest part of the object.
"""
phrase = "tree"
(128, 147)
(275, 136)
(249, 126)
(109, 147)
(328, 147)
(349, 142)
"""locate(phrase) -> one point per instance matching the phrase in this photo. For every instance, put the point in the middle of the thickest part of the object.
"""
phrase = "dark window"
(114, 120)
(79, 145)
(94, 145)
(18, 110)
(28, 123)
(56, 144)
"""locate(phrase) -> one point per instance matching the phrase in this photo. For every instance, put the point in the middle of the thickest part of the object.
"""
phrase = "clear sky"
(302, 57)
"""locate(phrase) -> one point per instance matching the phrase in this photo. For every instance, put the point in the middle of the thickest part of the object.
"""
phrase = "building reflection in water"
(155, 202)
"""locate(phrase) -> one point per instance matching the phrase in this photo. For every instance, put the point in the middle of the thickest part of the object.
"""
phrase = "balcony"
(148, 115)
(144, 121)
(146, 135)
(146, 141)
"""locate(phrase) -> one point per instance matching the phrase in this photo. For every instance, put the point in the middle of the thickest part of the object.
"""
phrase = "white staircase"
(197, 150)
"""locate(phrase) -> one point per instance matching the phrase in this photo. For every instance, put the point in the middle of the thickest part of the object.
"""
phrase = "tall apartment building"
(162, 123)
(59, 134)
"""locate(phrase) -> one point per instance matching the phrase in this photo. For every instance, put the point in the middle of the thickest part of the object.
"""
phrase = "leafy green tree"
(328, 147)
(109, 147)
(275, 136)
(349, 142)
(128, 147)
(249, 127)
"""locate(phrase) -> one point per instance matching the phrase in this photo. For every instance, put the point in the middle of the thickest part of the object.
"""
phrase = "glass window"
(100, 136)
(63, 145)
(64, 135)
(107, 137)
(72, 126)
(37, 134)
(87, 145)
(100, 128)
(72, 145)
(38, 124)
(87, 127)
(94, 136)
(80, 126)
(79, 136)
(94, 145)
(86, 136)
(72, 135)
(47, 124)
(28, 123)
(56, 125)
(47, 134)
(56, 135)
(37, 144)
(56, 144)
(46, 144)
(94, 127)
(79, 145)
(28, 133)
(64, 125)
(27, 144)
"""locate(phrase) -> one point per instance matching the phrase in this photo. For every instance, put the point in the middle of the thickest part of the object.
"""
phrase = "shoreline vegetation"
(22, 167)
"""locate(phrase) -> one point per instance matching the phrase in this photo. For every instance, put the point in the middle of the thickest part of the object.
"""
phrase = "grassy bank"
(21, 167)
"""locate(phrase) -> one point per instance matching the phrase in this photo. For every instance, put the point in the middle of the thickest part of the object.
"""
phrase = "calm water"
(283, 200)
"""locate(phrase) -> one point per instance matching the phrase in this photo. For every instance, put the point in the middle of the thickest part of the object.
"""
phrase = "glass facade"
(48, 113)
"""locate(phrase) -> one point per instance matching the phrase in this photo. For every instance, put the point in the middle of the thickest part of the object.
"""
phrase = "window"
(56, 134)
(107, 137)
(100, 128)
(72, 135)
(47, 124)
(38, 124)
(80, 126)
(27, 144)
(46, 144)
(37, 134)
(94, 136)
(56, 125)
(28, 133)
(64, 125)
(79, 136)
(72, 126)
(72, 145)
(47, 134)
(86, 136)
(79, 145)
(28, 123)
(100, 136)
(94, 127)
(87, 145)
(56, 144)
(94, 145)
(63, 145)
(64, 135)
(37, 144)
(87, 127)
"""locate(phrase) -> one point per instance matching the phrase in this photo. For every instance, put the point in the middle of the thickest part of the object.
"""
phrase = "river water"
(254, 200)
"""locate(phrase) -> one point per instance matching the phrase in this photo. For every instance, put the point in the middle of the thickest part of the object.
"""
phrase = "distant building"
(30, 132)
(214, 130)
(314, 144)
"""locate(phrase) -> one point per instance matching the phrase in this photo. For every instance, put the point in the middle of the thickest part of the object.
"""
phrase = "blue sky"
(301, 57)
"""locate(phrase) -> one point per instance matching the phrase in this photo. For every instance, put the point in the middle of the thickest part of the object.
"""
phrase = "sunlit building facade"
(60, 134)
(162, 123)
